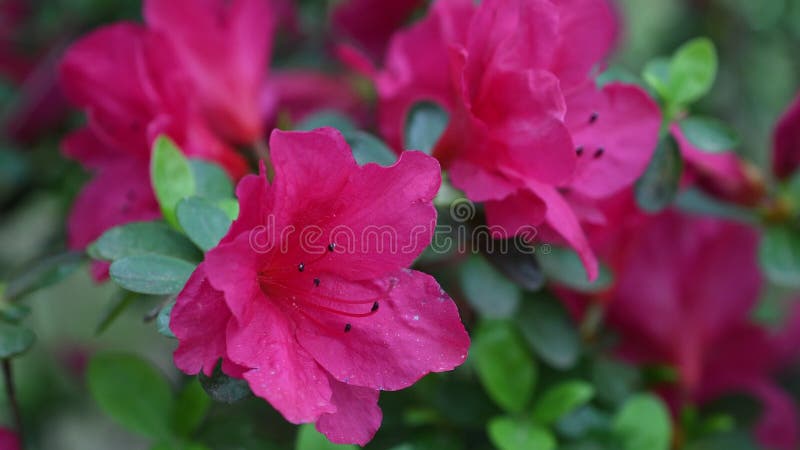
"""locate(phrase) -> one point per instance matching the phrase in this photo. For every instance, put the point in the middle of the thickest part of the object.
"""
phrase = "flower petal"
(357, 415)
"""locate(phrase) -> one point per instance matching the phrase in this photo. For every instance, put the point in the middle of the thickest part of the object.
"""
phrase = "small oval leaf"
(709, 134)
(657, 188)
(425, 124)
(202, 221)
(15, 340)
(151, 274)
(505, 367)
(171, 176)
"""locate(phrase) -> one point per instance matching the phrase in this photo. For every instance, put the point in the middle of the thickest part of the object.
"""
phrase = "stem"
(262, 152)
(12, 398)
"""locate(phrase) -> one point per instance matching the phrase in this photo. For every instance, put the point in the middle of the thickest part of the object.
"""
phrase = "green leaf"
(657, 188)
(203, 222)
(13, 312)
(190, 409)
(15, 340)
(779, 254)
(696, 201)
(132, 392)
(564, 266)
(211, 180)
(230, 206)
(308, 438)
(327, 119)
(656, 75)
(505, 367)
(507, 433)
(616, 74)
(43, 274)
(425, 124)
(562, 399)
(172, 177)
(692, 71)
(550, 332)
(643, 423)
(162, 320)
(614, 381)
(521, 267)
(143, 238)
(487, 290)
(709, 134)
(151, 274)
(222, 388)
(369, 149)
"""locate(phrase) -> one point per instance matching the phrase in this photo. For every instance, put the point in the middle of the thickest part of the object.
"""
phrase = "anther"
(599, 152)
(579, 151)
(593, 118)
(331, 246)
(316, 282)
(347, 328)
(375, 307)
(301, 267)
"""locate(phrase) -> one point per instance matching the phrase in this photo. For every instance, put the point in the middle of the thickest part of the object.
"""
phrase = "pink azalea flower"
(124, 77)
(299, 93)
(321, 319)
(225, 47)
(8, 440)
(526, 121)
(786, 141)
(370, 24)
(685, 288)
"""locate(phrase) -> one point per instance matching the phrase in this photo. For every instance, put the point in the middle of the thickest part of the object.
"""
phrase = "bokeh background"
(759, 75)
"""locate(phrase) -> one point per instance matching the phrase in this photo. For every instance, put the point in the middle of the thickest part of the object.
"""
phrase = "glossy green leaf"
(657, 188)
(133, 392)
(709, 134)
(211, 180)
(203, 222)
(656, 75)
(643, 423)
(507, 433)
(692, 71)
(369, 149)
(15, 340)
(561, 400)
(694, 200)
(190, 409)
(151, 274)
(222, 388)
(505, 367)
(230, 206)
(172, 177)
(614, 381)
(550, 332)
(308, 438)
(143, 238)
(487, 290)
(564, 266)
(779, 254)
(425, 124)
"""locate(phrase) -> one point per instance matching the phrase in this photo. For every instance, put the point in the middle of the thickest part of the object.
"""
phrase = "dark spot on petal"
(301, 267)
(599, 152)
(347, 328)
(593, 118)
(316, 282)
(375, 306)
(579, 151)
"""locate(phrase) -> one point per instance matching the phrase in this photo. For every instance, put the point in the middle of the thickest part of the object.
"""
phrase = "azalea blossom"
(318, 325)
(527, 123)
(684, 290)
(786, 141)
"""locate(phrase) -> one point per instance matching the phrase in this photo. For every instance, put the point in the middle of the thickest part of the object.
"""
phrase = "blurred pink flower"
(369, 24)
(9, 440)
(224, 47)
(684, 290)
(319, 334)
(786, 141)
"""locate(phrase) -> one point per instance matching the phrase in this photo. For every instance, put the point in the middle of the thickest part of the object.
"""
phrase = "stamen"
(593, 118)
(375, 306)
(301, 267)
(599, 152)
(579, 151)
(316, 282)
(331, 247)
(347, 327)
